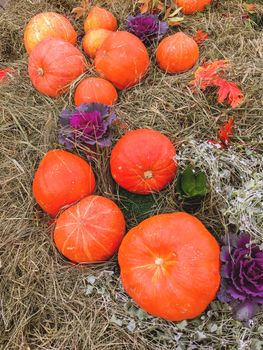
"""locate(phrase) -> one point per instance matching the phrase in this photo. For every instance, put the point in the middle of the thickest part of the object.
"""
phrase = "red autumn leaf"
(224, 134)
(200, 36)
(5, 73)
(226, 131)
(206, 74)
(230, 92)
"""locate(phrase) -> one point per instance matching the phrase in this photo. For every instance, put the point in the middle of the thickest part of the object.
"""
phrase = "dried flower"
(242, 277)
(146, 27)
(87, 124)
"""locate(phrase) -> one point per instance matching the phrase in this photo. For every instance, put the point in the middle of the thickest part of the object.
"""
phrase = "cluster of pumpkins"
(169, 263)
(120, 58)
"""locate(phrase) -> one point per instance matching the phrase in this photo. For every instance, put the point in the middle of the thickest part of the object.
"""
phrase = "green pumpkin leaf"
(178, 184)
(188, 181)
(190, 184)
(201, 183)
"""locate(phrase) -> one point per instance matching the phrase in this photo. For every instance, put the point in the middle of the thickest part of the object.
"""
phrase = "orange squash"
(99, 18)
(93, 40)
(143, 161)
(90, 231)
(177, 53)
(122, 59)
(48, 25)
(192, 6)
(95, 90)
(61, 179)
(53, 65)
(170, 266)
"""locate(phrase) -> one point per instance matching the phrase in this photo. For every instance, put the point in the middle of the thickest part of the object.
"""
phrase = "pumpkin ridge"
(67, 239)
(85, 246)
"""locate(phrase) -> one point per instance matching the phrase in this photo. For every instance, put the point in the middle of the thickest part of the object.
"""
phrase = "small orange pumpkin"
(170, 266)
(95, 90)
(90, 231)
(177, 53)
(99, 18)
(48, 25)
(93, 40)
(192, 6)
(61, 179)
(122, 59)
(143, 161)
(53, 65)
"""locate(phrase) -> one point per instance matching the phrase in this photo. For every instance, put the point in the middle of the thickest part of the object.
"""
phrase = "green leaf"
(201, 183)
(188, 180)
(191, 185)
(178, 184)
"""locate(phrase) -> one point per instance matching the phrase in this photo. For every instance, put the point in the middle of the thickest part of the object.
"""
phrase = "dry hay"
(48, 303)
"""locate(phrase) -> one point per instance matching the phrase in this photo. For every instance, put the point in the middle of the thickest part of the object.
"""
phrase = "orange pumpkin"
(177, 53)
(53, 65)
(122, 59)
(61, 179)
(93, 40)
(170, 266)
(191, 6)
(99, 18)
(90, 231)
(95, 90)
(48, 25)
(143, 161)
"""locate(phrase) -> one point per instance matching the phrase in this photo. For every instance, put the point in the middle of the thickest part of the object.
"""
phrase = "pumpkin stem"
(158, 261)
(40, 71)
(148, 174)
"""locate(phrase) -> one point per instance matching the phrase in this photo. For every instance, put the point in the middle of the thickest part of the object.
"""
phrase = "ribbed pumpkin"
(48, 25)
(95, 90)
(99, 18)
(53, 65)
(177, 53)
(170, 266)
(191, 6)
(90, 231)
(122, 59)
(143, 161)
(93, 40)
(61, 179)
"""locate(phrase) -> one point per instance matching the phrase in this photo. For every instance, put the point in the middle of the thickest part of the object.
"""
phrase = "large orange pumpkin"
(99, 18)
(191, 6)
(95, 90)
(122, 59)
(170, 266)
(143, 161)
(90, 231)
(93, 40)
(48, 25)
(61, 179)
(53, 65)
(177, 53)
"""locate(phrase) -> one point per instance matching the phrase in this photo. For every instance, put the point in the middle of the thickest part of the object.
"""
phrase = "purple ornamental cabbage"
(88, 124)
(146, 27)
(242, 277)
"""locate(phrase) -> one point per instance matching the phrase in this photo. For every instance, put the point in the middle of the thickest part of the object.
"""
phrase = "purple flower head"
(242, 276)
(146, 27)
(88, 124)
